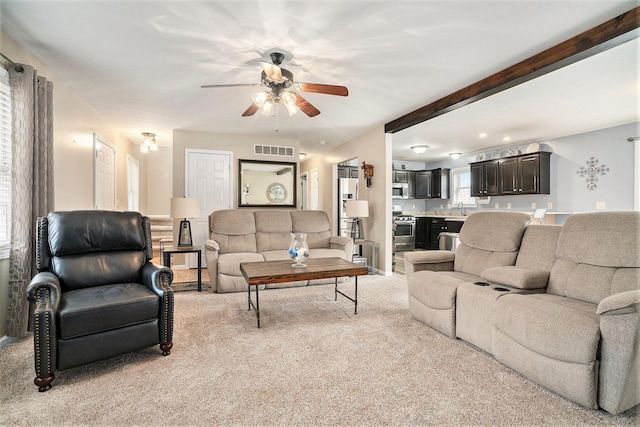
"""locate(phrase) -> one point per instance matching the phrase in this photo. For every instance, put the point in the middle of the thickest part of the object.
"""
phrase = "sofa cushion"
(315, 224)
(328, 253)
(436, 289)
(473, 261)
(538, 247)
(559, 328)
(234, 230)
(273, 230)
(602, 238)
(277, 255)
(101, 308)
(229, 264)
(494, 231)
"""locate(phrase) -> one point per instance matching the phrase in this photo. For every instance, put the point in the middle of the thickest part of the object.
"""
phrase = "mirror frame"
(244, 162)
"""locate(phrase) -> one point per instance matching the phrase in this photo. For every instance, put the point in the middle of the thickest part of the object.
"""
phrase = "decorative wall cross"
(591, 171)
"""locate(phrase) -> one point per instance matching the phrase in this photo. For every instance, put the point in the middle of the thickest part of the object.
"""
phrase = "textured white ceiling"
(141, 64)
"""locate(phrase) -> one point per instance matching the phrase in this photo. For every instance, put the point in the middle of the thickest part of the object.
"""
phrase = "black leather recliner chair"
(96, 294)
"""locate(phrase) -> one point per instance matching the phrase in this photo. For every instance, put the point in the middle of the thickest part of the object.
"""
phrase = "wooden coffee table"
(266, 272)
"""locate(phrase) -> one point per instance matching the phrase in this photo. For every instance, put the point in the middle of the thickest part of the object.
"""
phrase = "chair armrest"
(517, 277)
(159, 279)
(344, 243)
(428, 260)
(45, 281)
(44, 292)
(211, 245)
(211, 250)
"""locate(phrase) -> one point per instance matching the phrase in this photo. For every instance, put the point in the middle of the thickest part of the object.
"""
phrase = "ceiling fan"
(280, 86)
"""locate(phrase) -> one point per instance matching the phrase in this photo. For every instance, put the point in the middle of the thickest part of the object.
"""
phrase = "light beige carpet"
(313, 363)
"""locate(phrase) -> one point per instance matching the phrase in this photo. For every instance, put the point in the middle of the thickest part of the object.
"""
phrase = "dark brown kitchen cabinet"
(401, 176)
(484, 178)
(525, 174)
(432, 184)
(422, 233)
(423, 185)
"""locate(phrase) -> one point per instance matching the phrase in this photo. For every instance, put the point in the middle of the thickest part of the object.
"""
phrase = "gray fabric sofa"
(239, 235)
(565, 314)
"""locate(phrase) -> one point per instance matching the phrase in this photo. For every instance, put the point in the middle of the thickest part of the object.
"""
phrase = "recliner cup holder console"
(481, 283)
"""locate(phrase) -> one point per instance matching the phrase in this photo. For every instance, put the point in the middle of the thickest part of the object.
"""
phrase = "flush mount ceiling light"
(455, 156)
(148, 142)
(419, 149)
(302, 155)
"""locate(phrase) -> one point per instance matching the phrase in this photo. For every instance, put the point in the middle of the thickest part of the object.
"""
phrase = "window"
(5, 164)
(133, 184)
(461, 188)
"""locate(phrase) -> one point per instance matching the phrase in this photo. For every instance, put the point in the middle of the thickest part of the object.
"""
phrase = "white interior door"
(314, 190)
(208, 178)
(104, 174)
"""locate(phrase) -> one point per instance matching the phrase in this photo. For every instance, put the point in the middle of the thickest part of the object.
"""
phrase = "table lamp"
(185, 208)
(357, 209)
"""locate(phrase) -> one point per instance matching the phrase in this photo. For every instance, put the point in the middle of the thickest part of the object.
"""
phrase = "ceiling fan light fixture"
(259, 98)
(419, 149)
(289, 100)
(267, 107)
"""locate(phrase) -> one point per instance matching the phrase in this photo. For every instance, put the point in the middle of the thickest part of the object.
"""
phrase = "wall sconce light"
(455, 156)
(419, 149)
(148, 142)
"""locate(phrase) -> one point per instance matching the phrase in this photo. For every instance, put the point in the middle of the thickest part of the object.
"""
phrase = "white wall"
(373, 148)
(74, 122)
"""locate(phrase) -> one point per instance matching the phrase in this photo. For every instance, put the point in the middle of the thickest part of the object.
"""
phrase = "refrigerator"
(347, 190)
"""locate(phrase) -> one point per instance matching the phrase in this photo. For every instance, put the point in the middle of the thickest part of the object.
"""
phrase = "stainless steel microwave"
(400, 190)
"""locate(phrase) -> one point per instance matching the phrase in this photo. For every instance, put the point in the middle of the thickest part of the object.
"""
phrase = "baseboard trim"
(5, 340)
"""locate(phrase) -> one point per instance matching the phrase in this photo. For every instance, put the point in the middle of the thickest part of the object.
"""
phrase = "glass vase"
(299, 250)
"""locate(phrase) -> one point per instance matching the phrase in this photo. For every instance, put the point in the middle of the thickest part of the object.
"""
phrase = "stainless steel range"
(404, 230)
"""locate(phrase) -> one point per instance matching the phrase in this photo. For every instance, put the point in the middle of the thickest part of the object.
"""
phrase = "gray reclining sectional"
(558, 304)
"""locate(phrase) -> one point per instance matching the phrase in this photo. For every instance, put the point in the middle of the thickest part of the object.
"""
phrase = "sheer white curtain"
(31, 182)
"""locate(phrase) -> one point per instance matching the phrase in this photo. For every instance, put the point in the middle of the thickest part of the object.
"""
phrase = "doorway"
(303, 191)
(208, 178)
(104, 174)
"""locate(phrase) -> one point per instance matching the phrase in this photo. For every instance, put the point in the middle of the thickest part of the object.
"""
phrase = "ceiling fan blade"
(306, 107)
(253, 108)
(273, 71)
(232, 85)
(326, 89)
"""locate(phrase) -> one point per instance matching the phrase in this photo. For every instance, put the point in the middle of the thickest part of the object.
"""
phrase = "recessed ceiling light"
(506, 138)
(419, 149)
(323, 142)
(482, 135)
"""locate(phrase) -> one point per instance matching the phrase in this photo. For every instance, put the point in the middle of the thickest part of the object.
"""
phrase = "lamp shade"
(357, 208)
(185, 207)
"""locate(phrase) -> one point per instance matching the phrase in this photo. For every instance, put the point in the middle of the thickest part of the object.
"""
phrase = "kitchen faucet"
(462, 211)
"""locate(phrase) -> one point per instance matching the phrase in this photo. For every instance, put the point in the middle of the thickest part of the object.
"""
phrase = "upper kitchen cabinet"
(525, 174)
(522, 174)
(401, 176)
(432, 184)
(484, 178)
(347, 172)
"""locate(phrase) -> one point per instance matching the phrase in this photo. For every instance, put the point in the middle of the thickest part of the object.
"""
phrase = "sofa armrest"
(517, 277)
(622, 303)
(344, 243)
(428, 260)
(211, 252)
(620, 351)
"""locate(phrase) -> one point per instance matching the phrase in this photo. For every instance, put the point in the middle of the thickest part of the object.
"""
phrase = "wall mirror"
(266, 184)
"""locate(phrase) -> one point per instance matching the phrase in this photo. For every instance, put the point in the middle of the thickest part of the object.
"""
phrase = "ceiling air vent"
(272, 150)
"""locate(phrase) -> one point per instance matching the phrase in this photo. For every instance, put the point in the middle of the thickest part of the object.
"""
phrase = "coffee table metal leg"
(336, 290)
(355, 301)
(256, 307)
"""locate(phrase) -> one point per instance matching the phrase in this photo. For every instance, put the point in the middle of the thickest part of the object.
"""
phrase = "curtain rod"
(19, 68)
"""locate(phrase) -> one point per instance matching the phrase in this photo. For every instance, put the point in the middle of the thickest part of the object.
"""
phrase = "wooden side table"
(169, 250)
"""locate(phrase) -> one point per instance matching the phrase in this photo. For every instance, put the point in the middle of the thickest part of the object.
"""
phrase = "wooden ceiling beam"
(598, 39)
